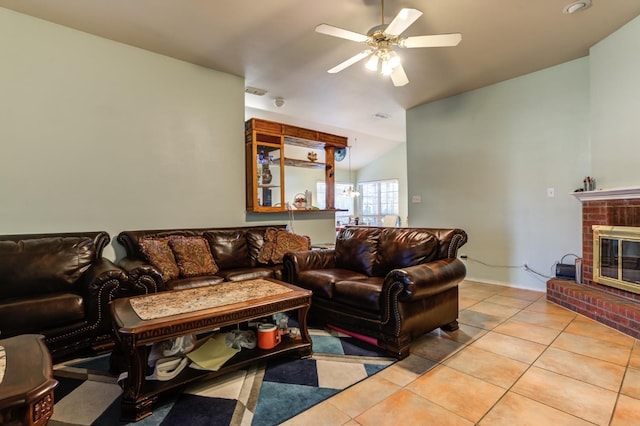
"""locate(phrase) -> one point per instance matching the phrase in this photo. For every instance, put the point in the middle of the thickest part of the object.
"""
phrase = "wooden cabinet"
(268, 147)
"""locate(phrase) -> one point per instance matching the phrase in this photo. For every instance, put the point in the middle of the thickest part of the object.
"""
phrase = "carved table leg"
(304, 332)
(134, 405)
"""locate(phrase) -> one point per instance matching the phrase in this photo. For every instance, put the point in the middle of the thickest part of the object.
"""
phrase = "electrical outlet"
(551, 192)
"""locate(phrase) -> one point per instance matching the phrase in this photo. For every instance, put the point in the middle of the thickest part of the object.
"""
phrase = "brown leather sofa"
(60, 286)
(389, 285)
(235, 251)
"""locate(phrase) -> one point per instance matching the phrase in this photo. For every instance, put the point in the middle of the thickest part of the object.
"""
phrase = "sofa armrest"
(427, 279)
(296, 262)
(144, 278)
(99, 285)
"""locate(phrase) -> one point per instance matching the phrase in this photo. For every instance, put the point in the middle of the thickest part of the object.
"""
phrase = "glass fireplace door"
(609, 258)
(631, 261)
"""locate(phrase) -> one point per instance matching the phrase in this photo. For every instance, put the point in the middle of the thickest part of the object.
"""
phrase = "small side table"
(26, 389)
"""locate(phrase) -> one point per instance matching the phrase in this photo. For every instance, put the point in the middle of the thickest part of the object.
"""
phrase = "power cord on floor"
(528, 269)
(523, 266)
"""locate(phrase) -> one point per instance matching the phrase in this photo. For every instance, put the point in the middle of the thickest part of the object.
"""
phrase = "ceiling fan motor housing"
(379, 38)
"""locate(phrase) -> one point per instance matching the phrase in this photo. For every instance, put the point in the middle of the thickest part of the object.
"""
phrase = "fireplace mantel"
(608, 194)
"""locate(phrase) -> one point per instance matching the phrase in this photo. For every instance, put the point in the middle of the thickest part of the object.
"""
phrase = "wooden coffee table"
(142, 320)
(26, 387)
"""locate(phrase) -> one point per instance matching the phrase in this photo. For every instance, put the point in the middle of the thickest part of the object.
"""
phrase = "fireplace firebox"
(616, 257)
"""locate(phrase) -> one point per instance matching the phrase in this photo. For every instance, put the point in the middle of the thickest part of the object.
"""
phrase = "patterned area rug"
(265, 394)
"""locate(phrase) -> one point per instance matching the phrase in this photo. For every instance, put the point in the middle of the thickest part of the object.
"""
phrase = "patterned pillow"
(277, 242)
(193, 256)
(266, 251)
(287, 241)
(159, 254)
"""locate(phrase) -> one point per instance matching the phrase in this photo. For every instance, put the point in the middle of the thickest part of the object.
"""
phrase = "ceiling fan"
(381, 40)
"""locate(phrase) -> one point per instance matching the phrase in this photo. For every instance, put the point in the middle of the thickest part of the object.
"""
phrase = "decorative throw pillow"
(193, 256)
(266, 252)
(160, 255)
(287, 241)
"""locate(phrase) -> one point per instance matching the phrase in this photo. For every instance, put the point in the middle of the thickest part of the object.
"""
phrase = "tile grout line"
(510, 389)
(624, 376)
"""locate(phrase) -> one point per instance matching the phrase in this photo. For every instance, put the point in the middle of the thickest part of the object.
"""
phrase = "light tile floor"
(516, 359)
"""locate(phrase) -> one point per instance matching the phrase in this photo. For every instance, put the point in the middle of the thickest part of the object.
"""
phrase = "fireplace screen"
(616, 257)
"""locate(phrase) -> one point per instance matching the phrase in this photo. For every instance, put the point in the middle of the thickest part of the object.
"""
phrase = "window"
(341, 202)
(378, 199)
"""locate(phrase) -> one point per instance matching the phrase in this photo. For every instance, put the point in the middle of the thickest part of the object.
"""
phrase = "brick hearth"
(611, 306)
(610, 309)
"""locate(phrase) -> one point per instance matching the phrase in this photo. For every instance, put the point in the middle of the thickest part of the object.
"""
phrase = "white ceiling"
(273, 45)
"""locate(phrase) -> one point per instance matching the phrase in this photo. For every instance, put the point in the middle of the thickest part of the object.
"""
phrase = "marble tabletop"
(176, 302)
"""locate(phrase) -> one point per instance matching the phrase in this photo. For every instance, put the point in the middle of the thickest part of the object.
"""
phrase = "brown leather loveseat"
(60, 286)
(390, 285)
(235, 253)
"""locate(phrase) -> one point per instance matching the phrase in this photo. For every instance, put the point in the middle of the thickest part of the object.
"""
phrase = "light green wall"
(393, 165)
(483, 161)
(615, 107)
(97, 135)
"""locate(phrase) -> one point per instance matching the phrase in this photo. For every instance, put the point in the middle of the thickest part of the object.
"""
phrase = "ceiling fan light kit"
(382, 38)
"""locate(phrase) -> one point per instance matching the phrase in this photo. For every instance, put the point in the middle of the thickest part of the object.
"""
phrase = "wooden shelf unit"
(267, 138)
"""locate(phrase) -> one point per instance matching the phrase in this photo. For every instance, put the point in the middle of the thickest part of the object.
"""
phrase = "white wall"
(483, 161)
(97, 135)
(393, 165)
(615, 108)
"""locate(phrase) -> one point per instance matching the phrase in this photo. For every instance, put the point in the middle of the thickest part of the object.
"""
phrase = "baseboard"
(505, 284)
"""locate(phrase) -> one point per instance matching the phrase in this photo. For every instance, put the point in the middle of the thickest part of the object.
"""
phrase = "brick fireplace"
(617, 308)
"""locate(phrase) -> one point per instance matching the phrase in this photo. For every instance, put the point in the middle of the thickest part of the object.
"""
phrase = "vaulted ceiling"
(273, 45)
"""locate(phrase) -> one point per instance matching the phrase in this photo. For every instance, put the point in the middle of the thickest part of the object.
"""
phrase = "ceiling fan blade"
(440, 40)
(342, 33)
(352, 60)
(399, 77)
(402, 21)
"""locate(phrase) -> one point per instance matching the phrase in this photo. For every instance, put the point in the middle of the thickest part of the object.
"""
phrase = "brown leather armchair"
(388, 284)
(60, 286)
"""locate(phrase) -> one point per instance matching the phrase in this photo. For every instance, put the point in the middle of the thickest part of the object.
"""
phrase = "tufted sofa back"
(233, 247)
(374, 251)
(46, 263)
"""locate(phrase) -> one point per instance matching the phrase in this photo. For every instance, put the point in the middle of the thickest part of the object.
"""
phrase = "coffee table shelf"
(244, 358)
(135, 334)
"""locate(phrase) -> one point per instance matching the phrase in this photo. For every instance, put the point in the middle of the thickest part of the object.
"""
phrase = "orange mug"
(268, 336)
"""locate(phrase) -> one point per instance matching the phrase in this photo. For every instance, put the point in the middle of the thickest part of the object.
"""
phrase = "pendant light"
(350, 191)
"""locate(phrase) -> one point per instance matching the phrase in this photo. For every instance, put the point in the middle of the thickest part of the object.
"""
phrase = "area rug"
(262, 395)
